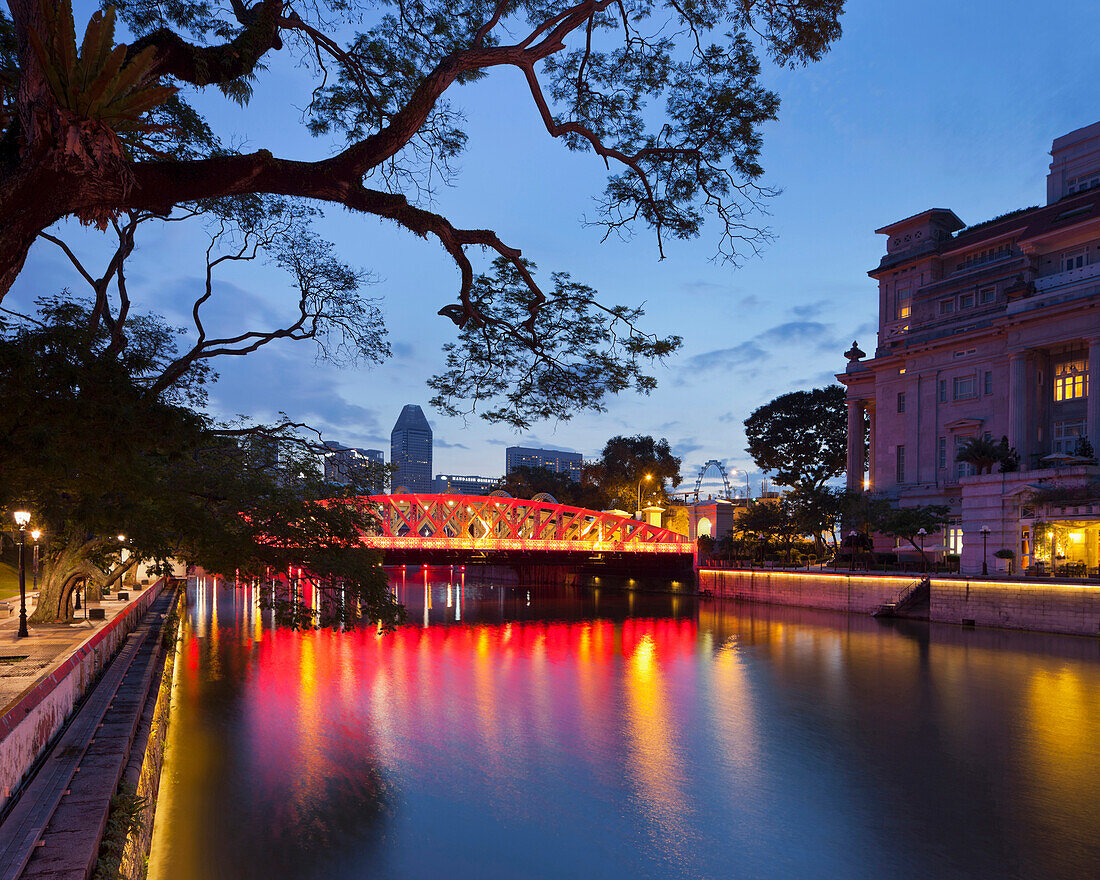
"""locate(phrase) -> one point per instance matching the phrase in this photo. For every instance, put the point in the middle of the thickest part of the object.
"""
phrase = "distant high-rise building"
(465, 484)
(344, 465)
(552, 459)
(411, 450)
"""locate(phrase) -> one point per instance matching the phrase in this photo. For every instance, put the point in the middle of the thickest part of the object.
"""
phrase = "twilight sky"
(941, 103)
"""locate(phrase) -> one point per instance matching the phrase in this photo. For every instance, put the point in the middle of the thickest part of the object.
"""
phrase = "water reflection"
(557, 733)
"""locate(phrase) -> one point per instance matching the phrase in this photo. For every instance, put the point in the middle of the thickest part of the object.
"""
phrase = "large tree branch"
(213, 65)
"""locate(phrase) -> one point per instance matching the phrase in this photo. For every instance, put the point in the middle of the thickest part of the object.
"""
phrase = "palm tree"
(980, 452)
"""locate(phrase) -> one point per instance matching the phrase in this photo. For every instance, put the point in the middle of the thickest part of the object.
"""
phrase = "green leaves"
(801, 437)
(96, 84)
(575, 354)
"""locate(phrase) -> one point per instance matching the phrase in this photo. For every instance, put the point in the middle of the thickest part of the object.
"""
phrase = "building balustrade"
(1070, 276)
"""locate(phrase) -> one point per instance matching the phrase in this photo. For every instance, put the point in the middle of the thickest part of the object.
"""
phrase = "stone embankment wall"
(834, 592)
(31, 721)
(1038, 605)
(142, 774)
(1035, 605)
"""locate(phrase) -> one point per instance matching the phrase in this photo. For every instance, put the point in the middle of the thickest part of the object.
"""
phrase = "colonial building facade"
(991, 330)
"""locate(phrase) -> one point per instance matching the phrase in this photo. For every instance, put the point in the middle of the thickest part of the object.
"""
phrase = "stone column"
(1092, 418)
(871, 475)
(855, 445)
(1017, 406)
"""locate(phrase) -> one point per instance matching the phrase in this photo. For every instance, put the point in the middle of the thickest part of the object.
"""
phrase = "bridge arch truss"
(490, 524)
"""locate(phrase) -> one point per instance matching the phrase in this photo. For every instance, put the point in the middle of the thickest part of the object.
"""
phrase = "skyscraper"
(344, 465)
(411, 450)
(552, 459)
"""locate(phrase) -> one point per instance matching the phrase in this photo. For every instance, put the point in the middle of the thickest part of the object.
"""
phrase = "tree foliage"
(526, 482)
(624, 464)
(801, 437)
(93, 446)
(667, 95)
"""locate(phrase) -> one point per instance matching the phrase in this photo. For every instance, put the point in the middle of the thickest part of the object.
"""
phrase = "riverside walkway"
(54, 822)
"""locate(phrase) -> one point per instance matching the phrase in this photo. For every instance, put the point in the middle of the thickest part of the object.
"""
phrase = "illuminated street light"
(35, 535)
(646, 478)
(22, 517)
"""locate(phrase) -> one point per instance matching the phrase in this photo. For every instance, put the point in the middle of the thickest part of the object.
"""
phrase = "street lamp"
(22, 517)
(35, 534)
(646, 478)
(922, 534)
(852, 544)
(984, 531)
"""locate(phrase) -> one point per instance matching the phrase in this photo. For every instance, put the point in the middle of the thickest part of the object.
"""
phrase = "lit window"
(1071, 380)
(1066, 434)
(903, 303)
(965, 388)
(953, 539)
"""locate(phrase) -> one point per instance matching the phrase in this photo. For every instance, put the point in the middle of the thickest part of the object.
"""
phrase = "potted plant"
(1009, 557)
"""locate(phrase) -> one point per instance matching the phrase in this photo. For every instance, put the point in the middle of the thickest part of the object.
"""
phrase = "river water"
(569, 733)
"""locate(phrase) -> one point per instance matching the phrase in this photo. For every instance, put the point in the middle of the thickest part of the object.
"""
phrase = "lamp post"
(852, 543)
(22, 517)
(35, 534)
(646, 478)
(922, 534)
(984, 531)
(121, 560)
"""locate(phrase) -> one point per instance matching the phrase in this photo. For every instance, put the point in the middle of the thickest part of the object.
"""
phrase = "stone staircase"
(909, 602)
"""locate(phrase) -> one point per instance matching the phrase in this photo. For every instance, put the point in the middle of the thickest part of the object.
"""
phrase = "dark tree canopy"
(624, 464)
(668, 95)
(801, 437)
(90, 447)
(526, 482)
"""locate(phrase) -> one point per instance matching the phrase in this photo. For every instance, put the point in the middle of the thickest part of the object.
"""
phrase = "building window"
(900, 470)
(1066, 434)
(943, 391)
(966, 301)
(947, 306)
(953, 539)
(988, 382)
(943, 453)
(1071, 380)
(987, 295)
(903, 303)
(1074, 259)
(901, 401)
(1082, 183)
(965, 388)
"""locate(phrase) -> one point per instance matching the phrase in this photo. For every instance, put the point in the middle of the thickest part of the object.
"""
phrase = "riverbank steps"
(142, 774)
(1034, 605)
(56, 827)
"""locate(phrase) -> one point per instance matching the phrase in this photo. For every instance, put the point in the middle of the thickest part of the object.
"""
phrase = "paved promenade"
(24, 661)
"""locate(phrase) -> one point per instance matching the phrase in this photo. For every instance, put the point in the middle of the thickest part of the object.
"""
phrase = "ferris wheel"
(713, 463)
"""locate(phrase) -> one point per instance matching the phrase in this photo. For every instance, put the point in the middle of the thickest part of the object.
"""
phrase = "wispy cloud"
(726, 358)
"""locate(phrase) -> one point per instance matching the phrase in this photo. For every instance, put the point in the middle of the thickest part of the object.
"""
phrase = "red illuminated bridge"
(441, 529)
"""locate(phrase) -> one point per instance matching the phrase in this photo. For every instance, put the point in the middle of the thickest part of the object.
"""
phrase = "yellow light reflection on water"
(653, 760)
